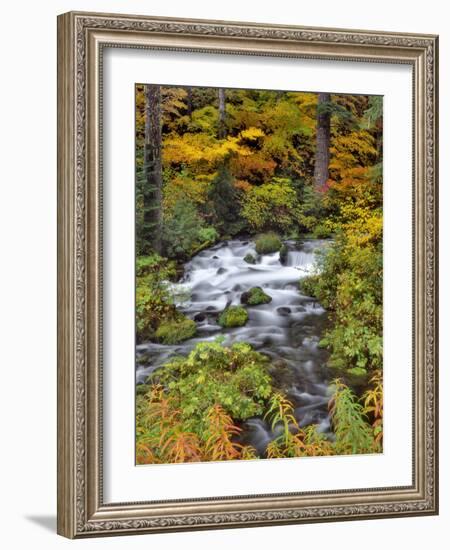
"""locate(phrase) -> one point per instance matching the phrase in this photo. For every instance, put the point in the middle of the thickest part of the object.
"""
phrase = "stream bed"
(287, 329)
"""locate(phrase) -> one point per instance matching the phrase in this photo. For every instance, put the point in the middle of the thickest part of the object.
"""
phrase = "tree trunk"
(222, 128)
(322, 142)
(152, 227)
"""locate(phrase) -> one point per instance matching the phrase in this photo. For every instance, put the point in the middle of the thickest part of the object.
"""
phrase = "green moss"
(250, 259)
(175, 331)
(283, 254)
(255, 296)
(268, 243)
(357, 371)
(233, 316)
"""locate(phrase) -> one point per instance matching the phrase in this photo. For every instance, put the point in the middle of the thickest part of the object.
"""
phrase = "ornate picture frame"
(82, 38)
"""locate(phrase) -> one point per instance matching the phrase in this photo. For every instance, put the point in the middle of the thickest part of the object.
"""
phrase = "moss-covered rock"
(255, 296)
(283, 254)
(357, 371)
(268, 243)
(250, 259)
(176, 330)
(233, 316)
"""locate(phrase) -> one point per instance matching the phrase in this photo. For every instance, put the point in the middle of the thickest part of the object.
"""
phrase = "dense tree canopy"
(245, 161)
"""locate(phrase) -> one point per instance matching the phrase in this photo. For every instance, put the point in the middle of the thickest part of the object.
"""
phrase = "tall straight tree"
(223, 192)
(152, 189)
(322, 159)
(222, 127)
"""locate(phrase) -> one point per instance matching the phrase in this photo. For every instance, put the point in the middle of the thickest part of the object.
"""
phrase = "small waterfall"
(304, 257)
(301, 259)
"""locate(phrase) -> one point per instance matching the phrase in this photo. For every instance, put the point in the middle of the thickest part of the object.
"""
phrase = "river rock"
(284, 311)
(280, 364)
(199, 317)
(250, 259)
(284, 254)
(233, 316)
(255, 296)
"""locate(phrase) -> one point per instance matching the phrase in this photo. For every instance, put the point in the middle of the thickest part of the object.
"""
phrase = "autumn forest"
(259, 274)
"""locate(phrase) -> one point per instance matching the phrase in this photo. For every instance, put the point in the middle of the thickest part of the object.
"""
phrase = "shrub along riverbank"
(190, 411)
(349, 285)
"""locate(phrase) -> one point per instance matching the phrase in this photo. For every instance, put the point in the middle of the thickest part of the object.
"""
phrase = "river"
(287, 329)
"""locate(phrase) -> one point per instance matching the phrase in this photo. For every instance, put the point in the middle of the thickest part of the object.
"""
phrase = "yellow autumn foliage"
(194, 189)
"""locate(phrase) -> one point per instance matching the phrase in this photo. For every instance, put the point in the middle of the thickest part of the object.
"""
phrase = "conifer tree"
(152, 188)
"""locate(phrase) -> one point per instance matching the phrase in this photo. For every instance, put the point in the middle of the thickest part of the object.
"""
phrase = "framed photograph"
(247, 276)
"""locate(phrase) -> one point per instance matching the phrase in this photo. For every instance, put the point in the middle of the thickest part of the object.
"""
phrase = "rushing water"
(287, 329)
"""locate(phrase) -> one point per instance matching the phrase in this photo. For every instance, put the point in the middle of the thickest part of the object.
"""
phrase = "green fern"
(353, 432)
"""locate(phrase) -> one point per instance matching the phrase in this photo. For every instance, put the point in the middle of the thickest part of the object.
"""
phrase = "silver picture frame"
(81, 40)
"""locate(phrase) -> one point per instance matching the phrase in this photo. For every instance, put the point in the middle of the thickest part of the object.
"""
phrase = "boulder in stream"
(175, 331)
(284, 250)
(255, 296)
(267, 243)
(284, 311)
(233, 316)
(250, 259)
(199, 317)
